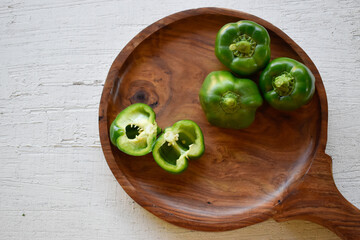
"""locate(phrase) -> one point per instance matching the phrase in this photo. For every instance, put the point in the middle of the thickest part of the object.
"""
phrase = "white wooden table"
(54, 58)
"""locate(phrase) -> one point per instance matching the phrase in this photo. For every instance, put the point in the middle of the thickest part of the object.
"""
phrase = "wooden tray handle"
(317, 199)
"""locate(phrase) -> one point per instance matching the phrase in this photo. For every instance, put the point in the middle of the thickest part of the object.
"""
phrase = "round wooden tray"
(275, 168)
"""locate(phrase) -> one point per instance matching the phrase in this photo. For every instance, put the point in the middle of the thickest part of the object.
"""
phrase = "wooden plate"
(275, 168)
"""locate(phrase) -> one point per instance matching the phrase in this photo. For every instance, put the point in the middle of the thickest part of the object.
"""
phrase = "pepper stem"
(229, 102)
(242, 46)
(284, 84)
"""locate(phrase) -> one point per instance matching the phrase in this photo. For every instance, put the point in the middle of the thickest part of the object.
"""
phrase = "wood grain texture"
(317, 199)
(164, 67)
(54, 58)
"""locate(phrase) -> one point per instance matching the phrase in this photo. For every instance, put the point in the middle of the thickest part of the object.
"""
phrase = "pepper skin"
(229, 102)
(182, 141)
(244, 47)
(134, 130)
(287, 84)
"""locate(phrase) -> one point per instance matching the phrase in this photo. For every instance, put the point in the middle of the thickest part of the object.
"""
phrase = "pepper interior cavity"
(138, 123)
(132, 131)
(180, 142)
(172, 149)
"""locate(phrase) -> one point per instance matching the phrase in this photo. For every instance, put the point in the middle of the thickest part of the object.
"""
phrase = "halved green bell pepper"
(244, 47)
(134, 130)
(182, 141)
(287, 84)
(229, 102)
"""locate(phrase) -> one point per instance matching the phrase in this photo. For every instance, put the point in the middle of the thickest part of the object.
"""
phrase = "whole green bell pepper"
(182, 141)
(244, 47)
(134, 130)
(229, 102)
(287, 84)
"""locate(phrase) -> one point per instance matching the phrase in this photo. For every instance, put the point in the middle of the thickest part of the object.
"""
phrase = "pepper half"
(134, 130)
(287, 84)
(229, 102)
(182, 141)
(244, 47)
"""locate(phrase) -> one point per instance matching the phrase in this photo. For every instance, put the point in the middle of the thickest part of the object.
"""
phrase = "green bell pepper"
(134, 130)
(244, 47)
(229, 102)
(287, 84)
(182, 141)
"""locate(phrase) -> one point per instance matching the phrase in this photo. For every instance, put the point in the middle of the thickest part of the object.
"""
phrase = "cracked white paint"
(54, 58)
